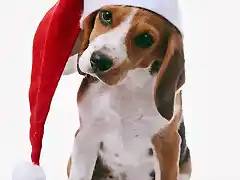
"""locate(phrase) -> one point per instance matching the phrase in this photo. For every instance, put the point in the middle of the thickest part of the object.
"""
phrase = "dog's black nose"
(100, 62)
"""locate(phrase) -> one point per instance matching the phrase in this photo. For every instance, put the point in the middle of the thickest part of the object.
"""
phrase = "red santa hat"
(52, 45)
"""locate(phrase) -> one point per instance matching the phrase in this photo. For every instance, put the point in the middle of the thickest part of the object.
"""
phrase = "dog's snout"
(100, 62)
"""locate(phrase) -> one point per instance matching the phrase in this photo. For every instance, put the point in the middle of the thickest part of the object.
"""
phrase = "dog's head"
(120, 39)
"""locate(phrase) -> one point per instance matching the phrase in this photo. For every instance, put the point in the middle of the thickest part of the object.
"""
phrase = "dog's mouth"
(112, 76)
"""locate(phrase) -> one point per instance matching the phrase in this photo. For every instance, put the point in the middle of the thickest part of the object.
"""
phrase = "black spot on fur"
(110, 176)
(100, 171)
(116, 155)
(155, 66)
(185, 152)
(152, 174)
(150, 152)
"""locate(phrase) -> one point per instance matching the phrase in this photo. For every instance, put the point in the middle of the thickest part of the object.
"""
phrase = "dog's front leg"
(168, 154)
(167, 146)
(84, 155)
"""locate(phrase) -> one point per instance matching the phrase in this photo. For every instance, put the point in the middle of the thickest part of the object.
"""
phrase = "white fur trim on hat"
(169, 9)
(28, 171)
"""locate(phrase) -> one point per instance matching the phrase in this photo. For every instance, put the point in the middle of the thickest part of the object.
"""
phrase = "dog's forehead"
(149, 17)
(126, 17)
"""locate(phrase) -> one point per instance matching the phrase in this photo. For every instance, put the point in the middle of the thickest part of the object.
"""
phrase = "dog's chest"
(125, 118)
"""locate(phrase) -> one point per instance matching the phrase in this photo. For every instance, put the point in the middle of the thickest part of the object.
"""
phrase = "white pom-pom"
(28, 171)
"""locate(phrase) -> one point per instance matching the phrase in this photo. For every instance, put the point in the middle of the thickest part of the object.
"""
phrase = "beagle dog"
(129, 102)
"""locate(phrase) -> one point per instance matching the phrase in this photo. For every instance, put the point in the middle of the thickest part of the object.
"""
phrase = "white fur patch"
(111, 43)
(183, 177)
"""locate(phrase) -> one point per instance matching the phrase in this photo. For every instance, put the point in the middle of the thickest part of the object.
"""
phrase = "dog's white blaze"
(111, 43)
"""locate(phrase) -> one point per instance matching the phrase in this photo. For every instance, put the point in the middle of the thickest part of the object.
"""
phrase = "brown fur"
(167, 146)
(168, 76)
(168, 49)
(77, 44)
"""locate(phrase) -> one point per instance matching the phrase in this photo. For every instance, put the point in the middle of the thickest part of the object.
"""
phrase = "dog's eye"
(105, 18)
(143, 40)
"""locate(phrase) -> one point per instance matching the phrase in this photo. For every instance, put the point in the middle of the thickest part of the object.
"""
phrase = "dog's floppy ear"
(88, 25)
(170, 77)
(83, 40)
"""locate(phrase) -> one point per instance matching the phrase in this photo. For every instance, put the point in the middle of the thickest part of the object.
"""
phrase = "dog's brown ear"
(88, 25)
(83, 38)
(170, 77)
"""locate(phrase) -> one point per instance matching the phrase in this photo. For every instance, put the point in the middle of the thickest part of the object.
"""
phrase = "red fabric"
(52, 45)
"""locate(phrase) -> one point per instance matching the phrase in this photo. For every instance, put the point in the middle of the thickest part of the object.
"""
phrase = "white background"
(211, 95)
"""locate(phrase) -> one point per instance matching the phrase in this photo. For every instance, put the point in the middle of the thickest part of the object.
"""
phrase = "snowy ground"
(211, 93)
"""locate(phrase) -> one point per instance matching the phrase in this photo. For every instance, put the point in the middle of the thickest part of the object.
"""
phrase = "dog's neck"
(137, 87)
(139, 79)
(134, 95)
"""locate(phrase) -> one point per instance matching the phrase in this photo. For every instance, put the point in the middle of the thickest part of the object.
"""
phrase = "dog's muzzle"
(100, 62)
